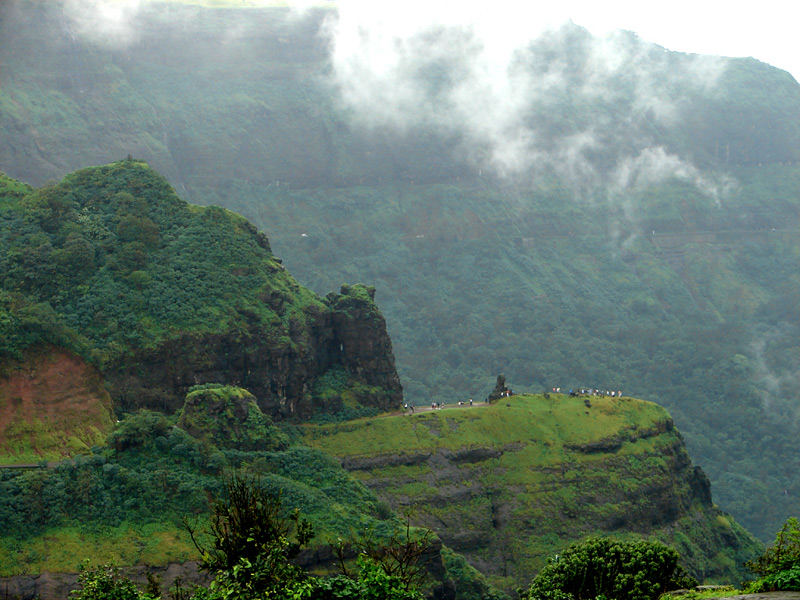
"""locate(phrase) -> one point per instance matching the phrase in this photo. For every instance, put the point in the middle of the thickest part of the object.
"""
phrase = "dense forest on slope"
(646, 240)
(160, 295)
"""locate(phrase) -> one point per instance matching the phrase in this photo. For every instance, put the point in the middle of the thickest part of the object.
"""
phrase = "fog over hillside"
(496, 82)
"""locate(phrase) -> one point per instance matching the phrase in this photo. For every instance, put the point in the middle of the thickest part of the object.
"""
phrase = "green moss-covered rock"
(228, 417)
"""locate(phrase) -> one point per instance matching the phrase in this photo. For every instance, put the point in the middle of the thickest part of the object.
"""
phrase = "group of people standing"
(505, 392)
(435, 405)
(593, 392)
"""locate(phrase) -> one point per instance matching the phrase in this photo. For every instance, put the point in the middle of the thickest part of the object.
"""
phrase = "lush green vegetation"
(252, 548)
(127, 501)
(779, 567)
(603, 568)
(718, 591)
(554, 283)
(149, 475)
(251, 542)
(106, 583)
(110, 264)
(113, 253)
(229, 417)
(512, 483)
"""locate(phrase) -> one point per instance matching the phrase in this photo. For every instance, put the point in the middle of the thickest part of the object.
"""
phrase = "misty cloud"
(775, 385)
(525, 96)
(114, 24)
(655, 165)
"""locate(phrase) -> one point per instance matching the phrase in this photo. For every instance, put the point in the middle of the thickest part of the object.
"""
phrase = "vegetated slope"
(479, 282)
(126, 500)
(512, 483)
(161, 295)
(636, 251)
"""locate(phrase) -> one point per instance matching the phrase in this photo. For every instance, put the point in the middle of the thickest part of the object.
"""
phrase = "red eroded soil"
(49, 397)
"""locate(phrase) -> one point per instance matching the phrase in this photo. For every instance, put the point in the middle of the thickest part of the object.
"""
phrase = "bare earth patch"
(52, 404)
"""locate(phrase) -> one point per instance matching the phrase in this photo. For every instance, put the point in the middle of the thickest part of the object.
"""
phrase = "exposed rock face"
(52, 403)
(365, 349)
(280, 372)
(500, 390)
(57, 586)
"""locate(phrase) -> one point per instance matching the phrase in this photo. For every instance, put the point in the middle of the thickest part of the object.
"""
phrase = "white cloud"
(501, 77)
(107, 22)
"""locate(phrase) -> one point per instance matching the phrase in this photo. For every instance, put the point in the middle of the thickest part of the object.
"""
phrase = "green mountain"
(118, 297)
(621, 217)
(160, 296)
(509, 484)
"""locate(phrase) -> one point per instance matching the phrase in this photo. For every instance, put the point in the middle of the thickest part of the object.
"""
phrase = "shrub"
(779, 566)
(105, 583)
(252, 543)
(604, 568)
(786, 580)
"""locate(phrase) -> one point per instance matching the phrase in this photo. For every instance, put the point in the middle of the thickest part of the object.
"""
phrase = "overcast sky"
(766, 30)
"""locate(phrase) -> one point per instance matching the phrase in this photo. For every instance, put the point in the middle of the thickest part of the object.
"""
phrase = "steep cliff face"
(280, 371)
(364, 346)
(162, 296)
(510, 484)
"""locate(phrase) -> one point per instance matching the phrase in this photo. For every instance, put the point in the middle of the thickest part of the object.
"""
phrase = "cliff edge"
(510, 484)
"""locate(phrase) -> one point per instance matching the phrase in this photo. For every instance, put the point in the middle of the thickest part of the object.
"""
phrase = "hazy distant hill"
(602, 217)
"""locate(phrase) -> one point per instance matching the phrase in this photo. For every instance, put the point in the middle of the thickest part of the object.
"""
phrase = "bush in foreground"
(779, 566)
(601, 568)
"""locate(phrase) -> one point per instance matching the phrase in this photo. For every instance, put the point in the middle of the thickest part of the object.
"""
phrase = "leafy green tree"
(401, 556)
(252, 544)
(604, 568)
(372, 583)
(779, 566)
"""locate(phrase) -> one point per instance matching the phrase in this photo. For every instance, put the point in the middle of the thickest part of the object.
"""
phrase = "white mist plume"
(776, 389)
(106, 22)
(500, 78)
(655, 165)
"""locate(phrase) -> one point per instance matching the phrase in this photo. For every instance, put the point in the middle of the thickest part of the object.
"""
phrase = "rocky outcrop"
(57, 586)
(365, 349)
(279, 370)
(500, 390)
(228, 417)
